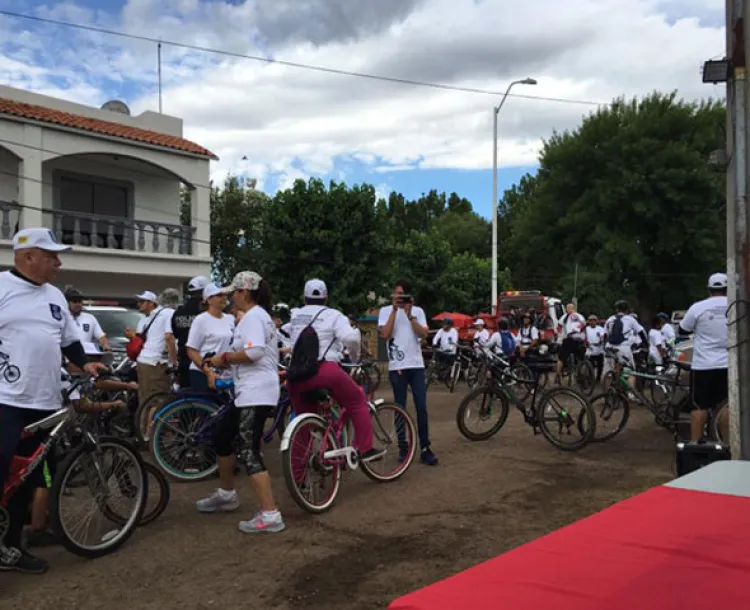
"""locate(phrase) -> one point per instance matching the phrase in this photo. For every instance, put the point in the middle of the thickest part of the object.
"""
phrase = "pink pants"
(345, 392)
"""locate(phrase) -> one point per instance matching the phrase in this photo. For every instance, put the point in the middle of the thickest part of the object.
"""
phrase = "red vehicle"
(549, 310)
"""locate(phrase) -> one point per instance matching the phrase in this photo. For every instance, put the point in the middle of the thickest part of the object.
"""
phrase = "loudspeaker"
(689, 457)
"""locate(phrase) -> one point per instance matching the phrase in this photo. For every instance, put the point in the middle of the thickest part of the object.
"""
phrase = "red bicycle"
(108, 469)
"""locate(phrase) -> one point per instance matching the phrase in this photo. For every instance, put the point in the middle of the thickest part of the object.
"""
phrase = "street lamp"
(525, 81)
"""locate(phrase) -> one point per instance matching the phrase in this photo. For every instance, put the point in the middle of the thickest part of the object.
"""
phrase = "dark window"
(97, 208)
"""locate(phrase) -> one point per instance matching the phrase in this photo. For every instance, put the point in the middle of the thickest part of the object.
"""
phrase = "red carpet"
(665, 549)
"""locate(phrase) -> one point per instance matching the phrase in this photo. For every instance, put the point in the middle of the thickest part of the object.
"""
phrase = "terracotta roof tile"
(76, 121)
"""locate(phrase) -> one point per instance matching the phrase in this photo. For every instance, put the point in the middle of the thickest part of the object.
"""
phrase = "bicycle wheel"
(455, 374)
(493, 410)
(112, 470)
(373, 372)
(159, 493)
(142, 416)
(182, 442)
(715, 429)
(431, 374)
(612, 412)
(525, 382)
(393, 431)
(312, 480)
(585, 377)
(561, 408)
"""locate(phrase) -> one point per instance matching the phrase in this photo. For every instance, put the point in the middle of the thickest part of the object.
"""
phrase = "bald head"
(38, 265)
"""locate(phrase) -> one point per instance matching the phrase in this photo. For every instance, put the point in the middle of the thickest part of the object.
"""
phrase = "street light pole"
(495, 111)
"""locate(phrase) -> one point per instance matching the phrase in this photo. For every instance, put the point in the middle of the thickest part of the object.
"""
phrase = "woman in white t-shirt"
(657, 343)
(254, 359)
(210, 333)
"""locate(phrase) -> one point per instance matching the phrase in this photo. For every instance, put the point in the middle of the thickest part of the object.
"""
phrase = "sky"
(277, 123)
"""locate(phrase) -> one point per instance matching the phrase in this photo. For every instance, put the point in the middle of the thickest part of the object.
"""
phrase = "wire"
(292, 64)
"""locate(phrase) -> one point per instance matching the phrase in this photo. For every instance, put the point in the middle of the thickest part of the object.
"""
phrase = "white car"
(114, 320)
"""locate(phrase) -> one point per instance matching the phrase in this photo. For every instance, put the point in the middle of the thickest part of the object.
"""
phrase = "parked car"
(114, 321)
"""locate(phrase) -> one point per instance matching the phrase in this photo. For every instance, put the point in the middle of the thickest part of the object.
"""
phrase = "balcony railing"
(117, 233)
(10, 216)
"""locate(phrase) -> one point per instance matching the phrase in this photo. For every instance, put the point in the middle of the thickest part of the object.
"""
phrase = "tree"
(630, 196)
(466, 232)
(464, 286)
(334, 233)
(423, 258)
(236, 229)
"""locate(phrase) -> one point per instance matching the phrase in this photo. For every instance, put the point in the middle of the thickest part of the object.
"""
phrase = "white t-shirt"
(154, 348)
(495, 343)
(595, 339)
(209, 334)
(256, 383)
(574, 325)
(707, 319)
(631, 329)
(34, 324)
(656, 340)
(669, 335)
(446, 340)
(481, 336)
(404, 347)
(88, 327)
(526, 336)
(333, 329)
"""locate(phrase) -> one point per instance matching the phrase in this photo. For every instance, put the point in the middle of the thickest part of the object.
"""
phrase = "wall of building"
(8, 175)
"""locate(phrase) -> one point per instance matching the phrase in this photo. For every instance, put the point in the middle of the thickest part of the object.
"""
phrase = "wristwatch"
(412, 318)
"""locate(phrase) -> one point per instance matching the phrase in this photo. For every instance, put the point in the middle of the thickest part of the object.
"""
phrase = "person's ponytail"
(262, 296)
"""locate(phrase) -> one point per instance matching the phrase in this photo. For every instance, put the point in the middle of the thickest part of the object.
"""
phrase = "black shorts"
(569, 347)
(253, 420)
(710, 388)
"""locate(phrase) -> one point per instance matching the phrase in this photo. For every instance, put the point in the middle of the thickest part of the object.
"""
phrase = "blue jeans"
(400, 382)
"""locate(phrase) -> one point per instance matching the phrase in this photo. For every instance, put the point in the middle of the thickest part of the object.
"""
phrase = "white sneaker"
(263, 522)
(221, 501)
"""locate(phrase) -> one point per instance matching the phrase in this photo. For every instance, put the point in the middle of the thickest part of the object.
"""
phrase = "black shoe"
(428, 457)
(372, 455)
(41, 538)
(18, 560)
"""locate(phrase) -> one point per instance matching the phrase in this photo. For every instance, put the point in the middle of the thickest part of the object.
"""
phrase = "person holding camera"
(403, 325)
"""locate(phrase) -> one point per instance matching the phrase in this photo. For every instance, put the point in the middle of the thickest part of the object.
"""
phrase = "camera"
(405, 299)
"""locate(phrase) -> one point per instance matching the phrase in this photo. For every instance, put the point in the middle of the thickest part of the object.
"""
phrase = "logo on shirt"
(56, 311)
(86, 327)
(10, 372)
(394, 352)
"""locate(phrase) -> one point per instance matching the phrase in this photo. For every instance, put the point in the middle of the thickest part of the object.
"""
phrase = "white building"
(108, 184)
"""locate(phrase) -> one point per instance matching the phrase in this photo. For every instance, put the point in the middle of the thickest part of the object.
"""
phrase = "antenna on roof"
(116, 106)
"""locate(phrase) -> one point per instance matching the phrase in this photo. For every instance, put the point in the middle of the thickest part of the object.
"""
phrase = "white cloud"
(293, 123)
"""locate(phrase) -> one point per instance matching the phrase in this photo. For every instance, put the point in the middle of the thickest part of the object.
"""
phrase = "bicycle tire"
(614, 402)
(156, 447)
(12, 373)
(464, 406)
(714, 432)
(455, 372)
(586, 435)
(317, 422)
(411, 432)
(522, 371)
(373, 372)
(141, 419)
(431, 374)
(585, 377)
(71, 466)
(158, 482)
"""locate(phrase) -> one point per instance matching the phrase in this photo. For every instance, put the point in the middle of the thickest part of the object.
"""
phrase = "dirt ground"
(377, 543)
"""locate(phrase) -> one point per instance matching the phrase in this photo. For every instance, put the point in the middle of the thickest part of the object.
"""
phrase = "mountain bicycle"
(315, 451)
(559, 408)
(109, 468)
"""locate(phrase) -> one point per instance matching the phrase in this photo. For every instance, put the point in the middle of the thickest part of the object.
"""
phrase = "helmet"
(71, 294)
(663, 316)
(621, 305)
(448, 321)
(503, 324)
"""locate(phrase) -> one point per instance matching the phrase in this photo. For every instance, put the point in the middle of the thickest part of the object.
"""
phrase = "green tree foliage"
(466, 232)
(335, 233)
(463, 286)
(628, 195)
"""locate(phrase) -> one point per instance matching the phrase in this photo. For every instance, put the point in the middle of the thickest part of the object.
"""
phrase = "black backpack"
(617, 332)
(305, 362)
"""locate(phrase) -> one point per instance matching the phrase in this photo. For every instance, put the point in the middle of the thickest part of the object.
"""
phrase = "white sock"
(227, 494)
(271, 515)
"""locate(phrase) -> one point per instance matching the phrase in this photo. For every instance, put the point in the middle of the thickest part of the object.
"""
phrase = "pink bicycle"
(317, 448)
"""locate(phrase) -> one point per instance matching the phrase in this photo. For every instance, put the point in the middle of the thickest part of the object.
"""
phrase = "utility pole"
(738, 245)
(575, 287)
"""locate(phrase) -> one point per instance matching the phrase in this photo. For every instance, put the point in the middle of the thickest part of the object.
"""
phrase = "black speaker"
(689, 457)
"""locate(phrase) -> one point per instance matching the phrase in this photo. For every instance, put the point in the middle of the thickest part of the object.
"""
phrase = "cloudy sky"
(292, 123)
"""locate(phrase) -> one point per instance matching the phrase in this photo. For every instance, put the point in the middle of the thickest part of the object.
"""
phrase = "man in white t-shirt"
(88, 326)
(34, 326)
(623, 331)
(707, 320)
(572, 325)
(153, 375)
(667, 330)
(595, 344)
(446, 342)
(481, 337)
(403, 325)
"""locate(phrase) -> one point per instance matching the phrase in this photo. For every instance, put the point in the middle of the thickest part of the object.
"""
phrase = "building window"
(98, 211)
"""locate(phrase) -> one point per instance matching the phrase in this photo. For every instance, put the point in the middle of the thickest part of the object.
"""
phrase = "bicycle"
(93, 460)
(579, 372)
(327, 453)
(11, 373)
(500, 388)
(613, 405)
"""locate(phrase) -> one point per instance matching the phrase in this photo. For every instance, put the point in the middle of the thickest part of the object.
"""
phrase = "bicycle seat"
(316, 396)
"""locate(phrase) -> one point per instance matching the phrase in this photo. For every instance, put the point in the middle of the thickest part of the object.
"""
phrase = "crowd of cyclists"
(233, 333)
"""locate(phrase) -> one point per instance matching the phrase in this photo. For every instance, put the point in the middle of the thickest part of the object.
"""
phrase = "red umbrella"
(460, 320)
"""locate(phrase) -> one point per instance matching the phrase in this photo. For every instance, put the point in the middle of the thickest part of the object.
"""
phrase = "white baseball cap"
(146, 295)
(315, 289)
(211, 291)
(718, 281)
(199, 282)
(479, 322)
(38, 237)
